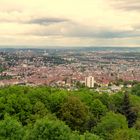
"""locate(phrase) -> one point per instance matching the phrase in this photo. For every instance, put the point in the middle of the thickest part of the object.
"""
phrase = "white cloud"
(70, 22)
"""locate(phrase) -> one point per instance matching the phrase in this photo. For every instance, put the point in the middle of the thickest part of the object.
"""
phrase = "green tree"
(98, 109)
(136, 90)
(46, 129)
(126, 134)
(39, 94)
(85, 136)
(85, 95)
(90, 136)
(137, 125)
(116, 102)
(105, 99)
(80, 85)
(11, 129)
(2, 107)
(127, 111)
(74, 113)
(109, 124)
(39, 111)
(18, 106)
(55, 99)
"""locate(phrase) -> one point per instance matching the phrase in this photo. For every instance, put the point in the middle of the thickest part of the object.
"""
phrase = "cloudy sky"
(70, 22)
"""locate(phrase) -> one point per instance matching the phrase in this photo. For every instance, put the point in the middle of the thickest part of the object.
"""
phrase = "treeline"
(44, 113)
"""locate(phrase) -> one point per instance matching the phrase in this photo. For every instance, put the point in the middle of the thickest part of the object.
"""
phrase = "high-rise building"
(89, 81)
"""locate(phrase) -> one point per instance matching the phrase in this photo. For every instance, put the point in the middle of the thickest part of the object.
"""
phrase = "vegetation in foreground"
(44, 113)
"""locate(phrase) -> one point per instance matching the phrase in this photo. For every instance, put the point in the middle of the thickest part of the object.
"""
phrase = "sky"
(70, 22)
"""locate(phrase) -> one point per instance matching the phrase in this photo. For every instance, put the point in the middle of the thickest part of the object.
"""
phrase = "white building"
(89, 82)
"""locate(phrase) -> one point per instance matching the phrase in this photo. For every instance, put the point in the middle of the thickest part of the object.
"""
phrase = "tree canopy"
(46, 113)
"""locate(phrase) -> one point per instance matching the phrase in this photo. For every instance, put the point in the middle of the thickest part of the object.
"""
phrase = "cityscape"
(66, 68)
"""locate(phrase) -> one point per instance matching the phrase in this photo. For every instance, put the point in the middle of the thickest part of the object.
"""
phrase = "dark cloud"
(98, 32)
(39, 21)
(46, 21)
(106, 34)
(76, 30)
(130, 5)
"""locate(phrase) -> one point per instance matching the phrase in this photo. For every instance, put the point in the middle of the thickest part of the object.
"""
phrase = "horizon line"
(60, 46)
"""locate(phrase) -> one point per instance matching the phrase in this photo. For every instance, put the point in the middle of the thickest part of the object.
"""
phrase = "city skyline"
(70, 23)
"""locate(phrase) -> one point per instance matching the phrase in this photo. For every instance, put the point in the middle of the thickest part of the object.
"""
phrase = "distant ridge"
(90, 48)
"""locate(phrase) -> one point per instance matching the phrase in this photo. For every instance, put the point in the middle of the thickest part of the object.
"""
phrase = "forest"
(46, 113)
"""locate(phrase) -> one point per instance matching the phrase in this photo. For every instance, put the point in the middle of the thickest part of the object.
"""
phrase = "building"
(89, 81)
